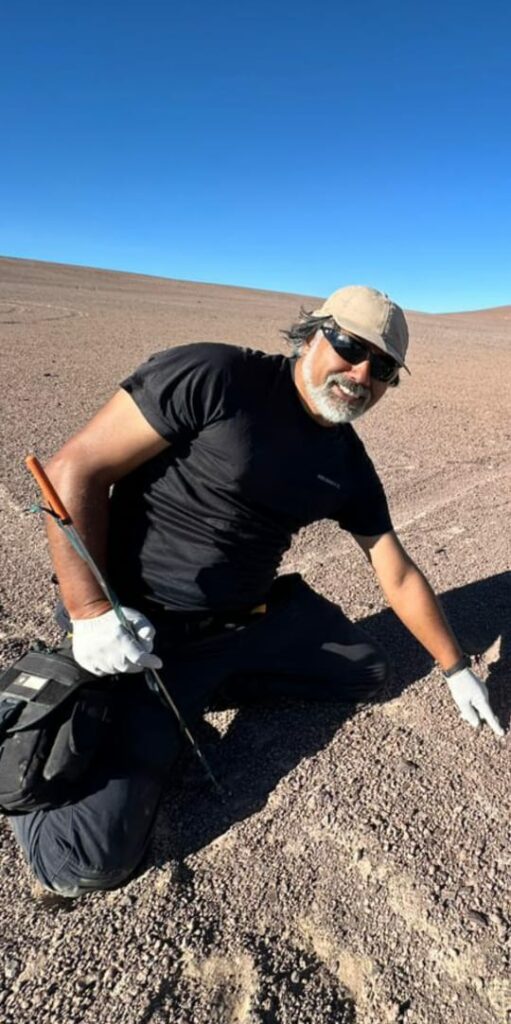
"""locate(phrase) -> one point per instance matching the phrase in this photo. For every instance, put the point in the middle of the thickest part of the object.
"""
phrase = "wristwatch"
(463, 662)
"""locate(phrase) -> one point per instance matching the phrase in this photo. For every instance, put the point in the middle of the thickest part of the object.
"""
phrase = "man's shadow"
(263, 743)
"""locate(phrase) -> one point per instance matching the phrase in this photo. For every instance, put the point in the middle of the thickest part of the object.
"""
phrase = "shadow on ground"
(263, 744)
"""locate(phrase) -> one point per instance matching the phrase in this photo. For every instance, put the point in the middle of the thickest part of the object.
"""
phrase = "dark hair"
(299, 333)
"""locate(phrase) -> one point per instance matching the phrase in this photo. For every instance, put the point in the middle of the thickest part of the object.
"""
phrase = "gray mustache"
(357, 390)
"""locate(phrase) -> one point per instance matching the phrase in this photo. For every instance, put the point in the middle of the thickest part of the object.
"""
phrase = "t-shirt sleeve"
(366, 511)
(183, 389)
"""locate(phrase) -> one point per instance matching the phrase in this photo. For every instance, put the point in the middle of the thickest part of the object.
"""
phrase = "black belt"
(200, 624)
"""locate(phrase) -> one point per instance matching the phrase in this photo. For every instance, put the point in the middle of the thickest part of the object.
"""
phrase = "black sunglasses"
(383, 368)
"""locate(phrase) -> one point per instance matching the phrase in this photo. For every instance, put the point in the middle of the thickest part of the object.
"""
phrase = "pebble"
(393, 1012)
(478, 918)
(11, 968)
(500, 924)
(85, 981)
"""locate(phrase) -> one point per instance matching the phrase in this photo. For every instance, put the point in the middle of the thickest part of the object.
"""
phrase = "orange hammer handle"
(47, 489)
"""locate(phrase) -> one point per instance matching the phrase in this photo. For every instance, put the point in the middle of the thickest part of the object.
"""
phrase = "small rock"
(85, 981)
(392, 1012)
(449, 894)
(452, 951)
(478, 918)
(11, 968)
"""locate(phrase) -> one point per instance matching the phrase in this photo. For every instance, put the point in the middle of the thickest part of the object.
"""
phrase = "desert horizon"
(501, 310)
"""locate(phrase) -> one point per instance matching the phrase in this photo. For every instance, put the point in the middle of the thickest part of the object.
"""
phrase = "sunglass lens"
(348, 347)
(383, 368)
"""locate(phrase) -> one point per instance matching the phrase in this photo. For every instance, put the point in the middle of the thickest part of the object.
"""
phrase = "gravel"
(359, 872)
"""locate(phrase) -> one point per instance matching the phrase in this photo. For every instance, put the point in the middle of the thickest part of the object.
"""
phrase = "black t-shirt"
(204, 524)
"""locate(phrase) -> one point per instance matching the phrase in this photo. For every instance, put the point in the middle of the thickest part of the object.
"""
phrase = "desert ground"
(359, 872)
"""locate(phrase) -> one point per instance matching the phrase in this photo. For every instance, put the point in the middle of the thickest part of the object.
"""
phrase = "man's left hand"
(470, 695)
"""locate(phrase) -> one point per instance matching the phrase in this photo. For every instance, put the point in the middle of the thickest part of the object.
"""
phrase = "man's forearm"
(415, 603)
(86, 500)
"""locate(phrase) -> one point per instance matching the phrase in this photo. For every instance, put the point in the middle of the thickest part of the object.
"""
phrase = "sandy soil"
(360, 871)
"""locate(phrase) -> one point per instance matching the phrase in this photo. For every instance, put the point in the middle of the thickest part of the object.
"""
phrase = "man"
(216, 456)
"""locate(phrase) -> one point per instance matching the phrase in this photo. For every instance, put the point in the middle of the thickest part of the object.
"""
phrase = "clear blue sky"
(288, 146)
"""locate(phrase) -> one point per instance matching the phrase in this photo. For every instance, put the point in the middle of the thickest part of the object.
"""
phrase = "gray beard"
(330, 407)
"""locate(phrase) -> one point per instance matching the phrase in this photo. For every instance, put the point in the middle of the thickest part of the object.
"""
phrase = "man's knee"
(55, 860)
(72, 876)
(376, 669)
(97, 843)
(361, 668)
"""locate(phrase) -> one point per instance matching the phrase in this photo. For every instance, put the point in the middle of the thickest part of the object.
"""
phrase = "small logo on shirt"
(326, 480)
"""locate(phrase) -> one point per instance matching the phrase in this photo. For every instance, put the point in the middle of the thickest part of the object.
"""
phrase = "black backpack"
(54, 720)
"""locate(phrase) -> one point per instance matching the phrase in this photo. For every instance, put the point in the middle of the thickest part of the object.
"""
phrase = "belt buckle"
(260, 609)
(217, 623)
(244, 618)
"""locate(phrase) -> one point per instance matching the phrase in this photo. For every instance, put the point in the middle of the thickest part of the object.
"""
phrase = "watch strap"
(462, 663)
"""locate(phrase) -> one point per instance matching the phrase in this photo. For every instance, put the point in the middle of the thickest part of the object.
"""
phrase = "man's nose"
(361, 372)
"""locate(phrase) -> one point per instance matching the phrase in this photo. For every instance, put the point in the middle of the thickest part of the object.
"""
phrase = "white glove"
(471, 696)
(102, 646)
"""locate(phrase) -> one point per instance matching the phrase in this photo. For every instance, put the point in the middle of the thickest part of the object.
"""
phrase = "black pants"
(304, 648)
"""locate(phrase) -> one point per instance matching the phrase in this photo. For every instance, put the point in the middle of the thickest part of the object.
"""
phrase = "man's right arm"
(114, 442)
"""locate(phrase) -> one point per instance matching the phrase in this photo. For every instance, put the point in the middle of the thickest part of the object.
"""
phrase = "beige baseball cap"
(370, 315)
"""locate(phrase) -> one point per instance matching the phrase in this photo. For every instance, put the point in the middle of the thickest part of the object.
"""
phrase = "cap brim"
(366, 335)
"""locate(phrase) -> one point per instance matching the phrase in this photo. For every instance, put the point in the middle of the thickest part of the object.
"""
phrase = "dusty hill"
(360, 870)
